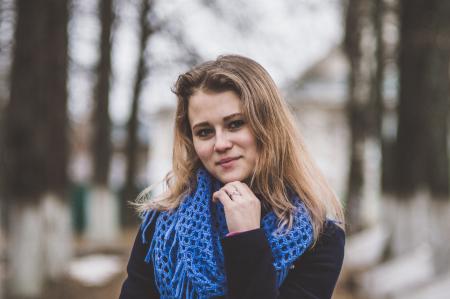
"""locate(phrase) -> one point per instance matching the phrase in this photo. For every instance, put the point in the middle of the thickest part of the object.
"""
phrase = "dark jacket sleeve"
(250, 273)
(248, 266)
(315, 273)
(140, 283)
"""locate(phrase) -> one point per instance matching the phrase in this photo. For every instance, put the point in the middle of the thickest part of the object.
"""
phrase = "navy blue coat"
(249, 270)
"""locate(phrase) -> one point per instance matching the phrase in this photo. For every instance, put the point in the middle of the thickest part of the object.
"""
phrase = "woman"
(246, 212)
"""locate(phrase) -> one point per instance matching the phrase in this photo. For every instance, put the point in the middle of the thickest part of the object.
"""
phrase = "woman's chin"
(226, 178)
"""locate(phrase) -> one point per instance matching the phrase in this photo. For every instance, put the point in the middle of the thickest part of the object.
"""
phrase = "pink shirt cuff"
(232, 234)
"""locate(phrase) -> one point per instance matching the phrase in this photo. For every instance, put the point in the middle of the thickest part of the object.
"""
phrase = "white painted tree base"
(440, 235)
(2, 251)
(399, 275)
(40, 245)
(25, 251)
(58, 236)
(408, 221)
(419, 246)
(370, 201)
(439, 288)
(421, 219)
(102, 216)
(364, 249)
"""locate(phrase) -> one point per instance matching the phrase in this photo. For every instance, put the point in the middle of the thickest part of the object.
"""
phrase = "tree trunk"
(421, 153)
(362, 121)
(24, 171)
(389, 115)
(36, 146)
(101, 140)
(55, 207)
(377, 99)
(2, 249)
(130, 191)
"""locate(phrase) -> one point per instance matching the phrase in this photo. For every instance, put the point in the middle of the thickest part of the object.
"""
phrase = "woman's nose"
(222, 142)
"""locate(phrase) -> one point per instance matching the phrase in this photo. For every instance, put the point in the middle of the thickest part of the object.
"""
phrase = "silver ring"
(235, 193)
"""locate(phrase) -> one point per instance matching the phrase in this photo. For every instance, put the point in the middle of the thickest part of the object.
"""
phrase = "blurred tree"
(56, 206)
(363, 96)
(421, 152)
(130, 191)
(422, 157)
(36, 147)
(377, 98)
(101, 141)
(388, 136)
(2, 101)
(102, 213)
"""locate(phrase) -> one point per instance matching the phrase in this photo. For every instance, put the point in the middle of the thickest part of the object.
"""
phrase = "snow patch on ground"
(96, 269)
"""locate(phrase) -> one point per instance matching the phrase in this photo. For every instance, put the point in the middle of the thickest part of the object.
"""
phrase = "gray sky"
(284, 36)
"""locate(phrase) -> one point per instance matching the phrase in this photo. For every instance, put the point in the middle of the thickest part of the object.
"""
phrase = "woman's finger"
(223, 197)
(243, 189)
(232, 192)
(242, 208)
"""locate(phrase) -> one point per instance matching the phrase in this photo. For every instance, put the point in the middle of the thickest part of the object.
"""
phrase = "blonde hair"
(283, 162)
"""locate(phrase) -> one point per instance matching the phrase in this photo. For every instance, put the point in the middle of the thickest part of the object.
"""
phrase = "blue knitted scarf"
(186, 251)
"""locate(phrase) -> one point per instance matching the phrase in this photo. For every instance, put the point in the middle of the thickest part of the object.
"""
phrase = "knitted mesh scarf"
(186, 251)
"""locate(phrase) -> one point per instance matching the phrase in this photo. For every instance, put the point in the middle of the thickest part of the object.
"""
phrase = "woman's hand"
(242, 208)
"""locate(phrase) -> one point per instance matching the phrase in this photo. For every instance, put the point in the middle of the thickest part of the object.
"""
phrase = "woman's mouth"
(227, 162)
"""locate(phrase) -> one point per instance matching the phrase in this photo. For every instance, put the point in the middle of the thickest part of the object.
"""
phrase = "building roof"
(324, 82)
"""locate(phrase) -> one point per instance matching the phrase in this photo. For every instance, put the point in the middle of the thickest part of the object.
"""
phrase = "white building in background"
(318, 99)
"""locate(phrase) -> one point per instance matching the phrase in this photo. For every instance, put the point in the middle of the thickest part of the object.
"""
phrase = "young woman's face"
(222, 138)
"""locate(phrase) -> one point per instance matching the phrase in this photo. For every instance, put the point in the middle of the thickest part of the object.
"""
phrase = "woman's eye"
(203, 132)
(236, 124)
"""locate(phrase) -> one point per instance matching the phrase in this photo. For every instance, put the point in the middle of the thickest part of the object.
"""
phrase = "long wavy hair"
(283, 162)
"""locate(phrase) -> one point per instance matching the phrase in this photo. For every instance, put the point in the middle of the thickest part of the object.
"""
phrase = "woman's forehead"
(213, 105)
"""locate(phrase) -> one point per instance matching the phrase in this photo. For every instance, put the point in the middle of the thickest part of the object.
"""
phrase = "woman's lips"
(227, 163)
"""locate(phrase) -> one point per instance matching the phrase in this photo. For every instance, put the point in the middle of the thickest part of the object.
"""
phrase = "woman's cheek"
(202, 150)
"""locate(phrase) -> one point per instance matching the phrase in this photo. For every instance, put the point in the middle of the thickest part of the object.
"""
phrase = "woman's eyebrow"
(202, 124)
(231, 116)
(226, 118)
